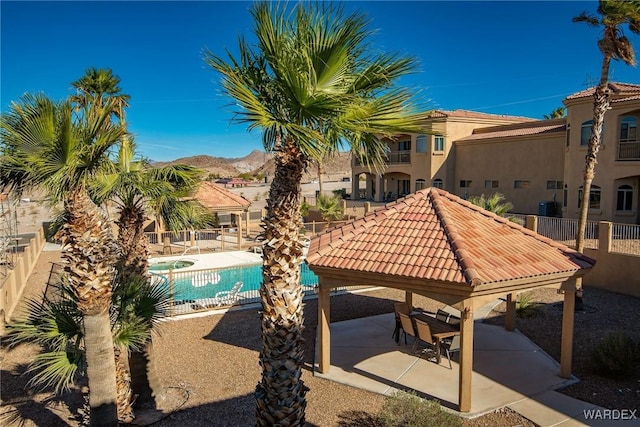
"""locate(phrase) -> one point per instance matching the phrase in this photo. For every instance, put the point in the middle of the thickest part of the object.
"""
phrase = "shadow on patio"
(507, 368)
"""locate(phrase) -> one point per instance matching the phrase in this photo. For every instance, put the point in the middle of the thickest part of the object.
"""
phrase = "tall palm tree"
(310, 84)
(134, 186)
(613, 14)
(45, 146)
(96, 88)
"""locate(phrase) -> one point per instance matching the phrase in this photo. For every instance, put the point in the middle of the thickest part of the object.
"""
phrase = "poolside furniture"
(222, 298)
(408, 329)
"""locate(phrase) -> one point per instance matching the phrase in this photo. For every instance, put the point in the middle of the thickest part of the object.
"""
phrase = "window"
(490, 184)
(624, 198)
(628, 129)
(420, 184)
(438, 183)
(404, 145)
(568, 134)
(565, 196)
(594, 197)
(438, 143)
(465, 183)
(404, 187)
(421, 144)
(554, 185)
(520, 183)
(585, 132)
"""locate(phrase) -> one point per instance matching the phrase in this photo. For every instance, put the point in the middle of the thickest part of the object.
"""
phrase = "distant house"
(233, 182)
(536, 164)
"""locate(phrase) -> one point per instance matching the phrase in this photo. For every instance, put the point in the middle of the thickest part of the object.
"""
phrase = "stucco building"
(537, 164)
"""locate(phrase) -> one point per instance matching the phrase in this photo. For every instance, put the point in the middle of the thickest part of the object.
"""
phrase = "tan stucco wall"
(610, 173)
(535, 159)
(614, 272)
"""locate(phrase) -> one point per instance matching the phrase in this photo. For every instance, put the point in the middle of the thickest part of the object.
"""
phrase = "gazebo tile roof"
(434, 235)
(217, 198)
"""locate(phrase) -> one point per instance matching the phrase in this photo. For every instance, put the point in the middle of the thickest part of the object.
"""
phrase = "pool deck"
(205, 261)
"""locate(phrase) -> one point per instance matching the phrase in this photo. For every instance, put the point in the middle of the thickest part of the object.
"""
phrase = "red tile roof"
(436, 236)
(530, 128)
(214, 197)
(616, 89)
(476, 115)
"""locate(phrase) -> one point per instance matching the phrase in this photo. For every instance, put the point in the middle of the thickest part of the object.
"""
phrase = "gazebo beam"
(324, 332)
(466, 356)
(566, 347)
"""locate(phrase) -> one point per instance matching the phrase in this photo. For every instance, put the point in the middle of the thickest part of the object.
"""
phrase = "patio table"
(439, 329)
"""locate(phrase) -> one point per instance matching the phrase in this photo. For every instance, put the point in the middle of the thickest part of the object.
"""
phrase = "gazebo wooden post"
(324, 333)
(510, 316)
(239, 229)
(247, 225)
(466, 356)
(408, 298)
(566, 347)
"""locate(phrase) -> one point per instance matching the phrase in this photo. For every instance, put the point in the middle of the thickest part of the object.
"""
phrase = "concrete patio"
(508, 368)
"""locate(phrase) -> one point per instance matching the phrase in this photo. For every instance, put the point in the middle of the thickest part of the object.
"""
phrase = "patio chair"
(399, 307)
(451, 346)
(222, 298)
(408, 329)
(424, 334)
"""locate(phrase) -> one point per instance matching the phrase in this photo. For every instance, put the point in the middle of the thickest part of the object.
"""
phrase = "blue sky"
(517, 58)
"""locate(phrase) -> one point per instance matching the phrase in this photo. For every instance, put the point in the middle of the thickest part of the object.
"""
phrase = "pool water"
(194, 286)
(170, 265)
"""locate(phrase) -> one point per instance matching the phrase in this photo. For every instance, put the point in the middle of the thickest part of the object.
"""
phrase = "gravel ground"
(209, 365)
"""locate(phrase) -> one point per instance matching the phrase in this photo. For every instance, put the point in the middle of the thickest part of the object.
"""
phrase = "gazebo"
(218, 199)
(438, 245)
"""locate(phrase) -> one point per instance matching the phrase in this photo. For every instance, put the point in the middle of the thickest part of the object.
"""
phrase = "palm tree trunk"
(101, 369)
(89, 251)
(280, 395)
(600, 107)
(123, 384)
(145, 383)
(133, 243)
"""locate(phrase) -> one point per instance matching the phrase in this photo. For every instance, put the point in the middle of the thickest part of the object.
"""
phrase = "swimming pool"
(170, 265)
(205, 284)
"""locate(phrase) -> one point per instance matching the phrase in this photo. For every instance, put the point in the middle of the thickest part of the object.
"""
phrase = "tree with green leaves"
(311, 84)
(558, 113)
(614, 45)
(493, 203)
(330, 207)
(45, 145)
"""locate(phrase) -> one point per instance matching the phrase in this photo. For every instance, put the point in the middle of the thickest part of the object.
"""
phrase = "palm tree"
(134, 186)
(310, 84)
(56, 325)
(493, 203)
(330, 207)
(96, 88)
(558, 113)
(45, 146)
(613, 14)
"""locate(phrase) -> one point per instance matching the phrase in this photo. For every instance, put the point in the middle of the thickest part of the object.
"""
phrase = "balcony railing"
(393, 158)
(628, 149)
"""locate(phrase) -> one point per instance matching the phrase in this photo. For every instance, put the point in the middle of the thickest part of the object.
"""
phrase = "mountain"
(258, 163)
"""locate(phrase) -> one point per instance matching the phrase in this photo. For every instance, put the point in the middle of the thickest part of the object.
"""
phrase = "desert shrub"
(408, 410)
(526, 307)
(616, 356)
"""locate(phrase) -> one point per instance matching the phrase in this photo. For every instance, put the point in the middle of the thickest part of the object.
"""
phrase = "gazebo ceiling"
(433, 236)
(218, 199)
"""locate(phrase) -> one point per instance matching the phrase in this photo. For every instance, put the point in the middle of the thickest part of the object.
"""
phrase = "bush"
(615, 356)
(526, 307)
(408, 410)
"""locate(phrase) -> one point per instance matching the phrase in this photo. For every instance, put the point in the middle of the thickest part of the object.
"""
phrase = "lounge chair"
(222, 298)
